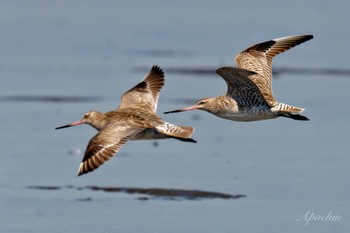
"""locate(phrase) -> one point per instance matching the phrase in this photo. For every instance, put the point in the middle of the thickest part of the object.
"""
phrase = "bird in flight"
(134, 119)
(249, 95)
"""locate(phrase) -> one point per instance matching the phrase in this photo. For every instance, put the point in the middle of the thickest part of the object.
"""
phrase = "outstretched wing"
(146, 93)
(241, 88)
(105, 145)
(258, 58)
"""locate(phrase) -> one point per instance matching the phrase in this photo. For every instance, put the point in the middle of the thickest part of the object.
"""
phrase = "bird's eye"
(202, 102)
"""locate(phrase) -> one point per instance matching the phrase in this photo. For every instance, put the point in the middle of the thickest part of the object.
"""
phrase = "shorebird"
(134, 119)
(249, 95)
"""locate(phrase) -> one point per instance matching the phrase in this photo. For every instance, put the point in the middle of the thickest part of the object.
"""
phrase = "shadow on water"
(276, 71)
(169, 194)
(54, 99)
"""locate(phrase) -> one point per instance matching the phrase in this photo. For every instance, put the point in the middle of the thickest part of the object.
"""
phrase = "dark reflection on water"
(45, 187)
(172, 194)
(84, 199)
(57, 99)
(276, 71)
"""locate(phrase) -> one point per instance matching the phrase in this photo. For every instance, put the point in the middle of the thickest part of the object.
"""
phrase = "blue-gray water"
(92, 49)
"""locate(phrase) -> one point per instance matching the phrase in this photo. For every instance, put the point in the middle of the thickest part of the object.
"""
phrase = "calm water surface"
(61, 59)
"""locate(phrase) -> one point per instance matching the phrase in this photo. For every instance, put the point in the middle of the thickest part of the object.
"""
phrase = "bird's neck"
(221, 104)
(100, 121)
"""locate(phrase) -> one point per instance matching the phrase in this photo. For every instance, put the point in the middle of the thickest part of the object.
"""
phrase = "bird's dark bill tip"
(70, 125)
(173, 111)
(62, 127)
(194, 107)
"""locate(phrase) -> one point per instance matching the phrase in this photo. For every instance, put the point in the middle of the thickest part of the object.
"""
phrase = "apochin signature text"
(310, 216)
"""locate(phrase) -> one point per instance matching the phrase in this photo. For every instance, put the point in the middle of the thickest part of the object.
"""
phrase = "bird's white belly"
(256, 114)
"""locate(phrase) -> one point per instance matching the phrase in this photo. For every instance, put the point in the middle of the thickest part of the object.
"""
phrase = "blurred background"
(60, 59)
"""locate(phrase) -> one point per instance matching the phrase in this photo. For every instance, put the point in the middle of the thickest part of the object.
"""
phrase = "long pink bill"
(70, 125)
(194, 107)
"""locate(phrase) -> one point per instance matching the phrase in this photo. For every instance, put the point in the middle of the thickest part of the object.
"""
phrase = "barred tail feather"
(184, 131)
(179, 132)
(285, 108)
(289, 111)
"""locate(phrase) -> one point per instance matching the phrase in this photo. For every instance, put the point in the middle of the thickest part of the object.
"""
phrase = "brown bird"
(135, 119)
(249, 96)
